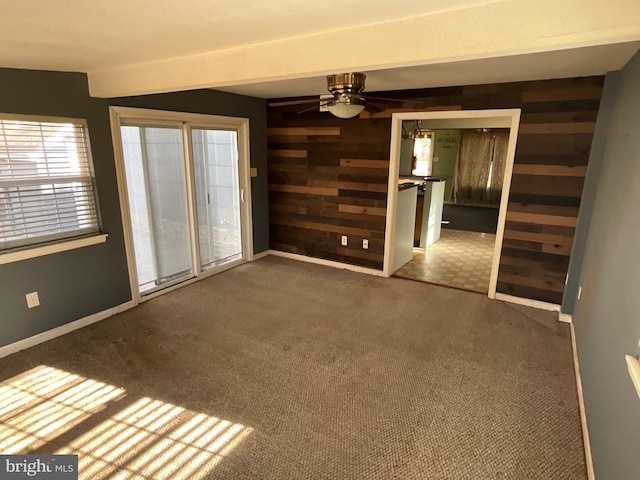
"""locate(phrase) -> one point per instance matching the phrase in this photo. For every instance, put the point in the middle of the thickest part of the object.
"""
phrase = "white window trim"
(41, 250)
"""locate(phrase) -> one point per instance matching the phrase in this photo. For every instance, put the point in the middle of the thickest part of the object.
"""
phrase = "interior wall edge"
(590, 192)
(583, 413)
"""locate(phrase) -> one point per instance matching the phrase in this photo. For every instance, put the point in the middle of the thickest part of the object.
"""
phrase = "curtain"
(472, 168)
(480, 167)
(501, 142)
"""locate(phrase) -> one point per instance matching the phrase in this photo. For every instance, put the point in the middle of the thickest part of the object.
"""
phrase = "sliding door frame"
(186, 121)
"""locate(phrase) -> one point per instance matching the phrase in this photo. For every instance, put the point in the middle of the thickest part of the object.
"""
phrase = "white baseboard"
(63, 329)
(565, 317)
(258, 256)
(591, 475)
(528, 302)
(83, 322)
(328, 263)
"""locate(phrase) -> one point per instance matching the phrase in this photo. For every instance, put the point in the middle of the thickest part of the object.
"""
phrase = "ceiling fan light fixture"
(345, 110)
(341, 83)
(346, 98)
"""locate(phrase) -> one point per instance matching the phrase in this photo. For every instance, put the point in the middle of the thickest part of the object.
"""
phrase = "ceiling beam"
(494, 29)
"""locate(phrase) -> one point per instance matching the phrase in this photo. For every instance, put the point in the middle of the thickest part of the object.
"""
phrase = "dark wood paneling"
(336, 186)
(328, 177)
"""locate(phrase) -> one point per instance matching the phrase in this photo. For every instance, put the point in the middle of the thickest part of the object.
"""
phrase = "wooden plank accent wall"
(328, 177)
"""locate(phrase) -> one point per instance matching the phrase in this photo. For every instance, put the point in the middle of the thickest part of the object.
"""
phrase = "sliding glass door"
(215, 157)
(157, 188)
(185, 199)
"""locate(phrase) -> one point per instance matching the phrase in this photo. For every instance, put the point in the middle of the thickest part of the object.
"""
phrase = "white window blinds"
(46, 182)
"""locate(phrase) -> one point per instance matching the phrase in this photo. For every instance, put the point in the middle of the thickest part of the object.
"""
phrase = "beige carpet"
(286, 370)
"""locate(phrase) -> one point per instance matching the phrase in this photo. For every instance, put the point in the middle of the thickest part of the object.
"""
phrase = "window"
(423, 154)
(46, 181)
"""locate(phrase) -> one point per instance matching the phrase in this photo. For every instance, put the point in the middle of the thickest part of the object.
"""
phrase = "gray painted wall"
(607, 317)
(587, 204)
(78, 283)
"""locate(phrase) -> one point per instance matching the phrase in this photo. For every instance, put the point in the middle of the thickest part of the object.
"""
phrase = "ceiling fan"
(348, 100)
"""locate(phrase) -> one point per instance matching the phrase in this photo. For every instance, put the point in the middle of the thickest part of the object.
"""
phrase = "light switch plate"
(253, 171)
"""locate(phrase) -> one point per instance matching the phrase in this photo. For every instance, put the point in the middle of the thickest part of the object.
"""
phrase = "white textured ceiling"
(257, 47)
(86, 35)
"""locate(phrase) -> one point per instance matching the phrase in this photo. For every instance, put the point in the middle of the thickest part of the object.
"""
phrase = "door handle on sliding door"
(242, 195)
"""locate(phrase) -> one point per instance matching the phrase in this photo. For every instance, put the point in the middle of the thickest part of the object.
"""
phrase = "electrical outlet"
(32, 300)
(343, 241)
(365, 244)
(579, 292)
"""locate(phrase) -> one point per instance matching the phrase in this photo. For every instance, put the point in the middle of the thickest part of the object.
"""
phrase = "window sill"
(42, 250)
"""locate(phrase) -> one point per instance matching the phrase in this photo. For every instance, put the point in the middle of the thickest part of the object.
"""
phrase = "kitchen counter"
(421, 182)
(413, 178)
(407, 185)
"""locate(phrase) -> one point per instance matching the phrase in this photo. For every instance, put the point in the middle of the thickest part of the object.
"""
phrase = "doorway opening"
(449, 180)
(184, 191)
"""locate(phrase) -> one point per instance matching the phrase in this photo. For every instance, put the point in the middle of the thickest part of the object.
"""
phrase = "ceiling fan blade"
(396, 100)
(372, 107)
(294, 102)
(310, 109)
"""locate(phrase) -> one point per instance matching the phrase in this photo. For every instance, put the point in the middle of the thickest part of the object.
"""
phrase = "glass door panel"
(215, 161)
(157, 191)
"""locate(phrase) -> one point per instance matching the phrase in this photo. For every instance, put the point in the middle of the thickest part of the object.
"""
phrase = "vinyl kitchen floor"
(458, 259)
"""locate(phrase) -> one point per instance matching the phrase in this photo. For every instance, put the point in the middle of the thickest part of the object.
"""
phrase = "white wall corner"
(258, 256)
(583, 414)
(565, 317)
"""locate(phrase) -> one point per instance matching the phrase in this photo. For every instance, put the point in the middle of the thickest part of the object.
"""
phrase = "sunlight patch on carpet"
(44, 402)
(148, 439)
